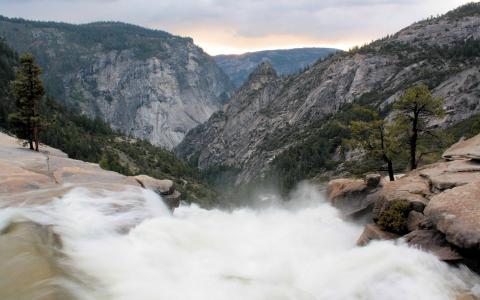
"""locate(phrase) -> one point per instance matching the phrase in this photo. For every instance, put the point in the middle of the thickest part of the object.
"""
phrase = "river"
(128, 246)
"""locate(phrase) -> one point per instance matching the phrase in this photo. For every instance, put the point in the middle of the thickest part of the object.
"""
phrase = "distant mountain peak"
(285, 62)
(263, 72)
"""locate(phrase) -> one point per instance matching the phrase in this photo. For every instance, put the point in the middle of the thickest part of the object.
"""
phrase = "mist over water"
(129, 246)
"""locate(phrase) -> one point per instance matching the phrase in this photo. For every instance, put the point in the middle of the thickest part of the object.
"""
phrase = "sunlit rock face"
(146, 83)
(263, 118)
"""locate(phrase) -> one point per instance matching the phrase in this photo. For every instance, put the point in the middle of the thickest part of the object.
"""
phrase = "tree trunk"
(30, 142)
(35, 137)
(390, 170)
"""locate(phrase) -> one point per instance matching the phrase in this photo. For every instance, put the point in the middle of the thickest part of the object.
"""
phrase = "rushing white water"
(128, 246)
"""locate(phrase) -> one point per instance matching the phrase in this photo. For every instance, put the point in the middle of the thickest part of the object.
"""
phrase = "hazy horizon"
(228, 27)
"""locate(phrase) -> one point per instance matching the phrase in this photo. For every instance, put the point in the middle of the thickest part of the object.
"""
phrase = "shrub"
(394, 218)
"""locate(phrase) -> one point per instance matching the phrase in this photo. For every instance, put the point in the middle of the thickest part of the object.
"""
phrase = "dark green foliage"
(75, 134)
(220, 176)
(315, 150)
(94, 141)
(110, 160)
(8, 59)
(28, 91)
(394, 218)
(466, 128)
(469, 9)
(415, 107)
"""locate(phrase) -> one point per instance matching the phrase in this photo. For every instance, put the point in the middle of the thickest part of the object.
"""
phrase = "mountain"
(147, 83)
(294, 126)
(92, 140)
(285, 62)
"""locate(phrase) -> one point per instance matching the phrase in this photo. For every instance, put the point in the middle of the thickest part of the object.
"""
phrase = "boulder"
(411, 188)
(373, 232)
(433, 241)
(353, 196)
(447, 175)
(469, 149)
(373, 180)
(456, 213)
(165, 188)
(416, 220)
(339, 187)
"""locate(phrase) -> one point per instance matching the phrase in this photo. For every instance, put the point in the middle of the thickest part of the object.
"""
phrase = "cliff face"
(286, 62)
(259, 121)
(147, 83)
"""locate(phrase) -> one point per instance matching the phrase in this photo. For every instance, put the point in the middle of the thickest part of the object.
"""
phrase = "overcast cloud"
(234, 26)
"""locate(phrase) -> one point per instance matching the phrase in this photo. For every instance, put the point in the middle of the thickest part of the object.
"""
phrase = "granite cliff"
(147, 83)
(269, 115)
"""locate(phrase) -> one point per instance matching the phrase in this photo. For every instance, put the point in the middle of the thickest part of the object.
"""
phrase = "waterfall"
(127, 246)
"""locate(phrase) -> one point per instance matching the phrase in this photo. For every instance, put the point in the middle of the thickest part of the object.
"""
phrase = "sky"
(238, 26)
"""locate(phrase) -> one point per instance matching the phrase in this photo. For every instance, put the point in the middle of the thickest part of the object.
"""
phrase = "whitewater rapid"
(128, 246)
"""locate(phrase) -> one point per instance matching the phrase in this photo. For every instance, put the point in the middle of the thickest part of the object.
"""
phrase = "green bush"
(394, 218)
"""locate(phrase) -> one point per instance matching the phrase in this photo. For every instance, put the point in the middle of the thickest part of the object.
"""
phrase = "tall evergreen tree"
(27, 88)
(415, 108)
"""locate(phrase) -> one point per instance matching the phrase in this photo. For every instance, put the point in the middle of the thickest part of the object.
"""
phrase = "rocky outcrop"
(456, 213)
(353, 196)
(30, 253)
(34, 177)
(164, 187)
(372, 232)
(256, 126)
(465, 149)
(441, 205)
(433, 241)
(146, 83)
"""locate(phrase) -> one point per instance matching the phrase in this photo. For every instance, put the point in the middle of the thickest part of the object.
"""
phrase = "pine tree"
(27, 88)
(376, 138)
(414, 109)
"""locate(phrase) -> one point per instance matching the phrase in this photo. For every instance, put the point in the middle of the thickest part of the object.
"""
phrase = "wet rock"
(351, 196)
(165, 188)
(456, 213)
(434, 242)
(416, 220)
(373, 232)
(464, 149)
(28, 265)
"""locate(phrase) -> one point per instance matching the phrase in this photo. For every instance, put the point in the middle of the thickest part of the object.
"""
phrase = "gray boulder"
(434, 242)
(464, 149)
(456, 213)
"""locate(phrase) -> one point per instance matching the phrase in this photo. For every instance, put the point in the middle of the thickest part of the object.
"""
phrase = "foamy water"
(128, 246)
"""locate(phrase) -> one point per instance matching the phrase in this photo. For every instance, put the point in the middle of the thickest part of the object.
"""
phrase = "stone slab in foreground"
(456, 213)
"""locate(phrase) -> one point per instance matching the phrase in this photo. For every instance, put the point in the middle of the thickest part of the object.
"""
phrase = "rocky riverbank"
(30, 260)
(435, 208)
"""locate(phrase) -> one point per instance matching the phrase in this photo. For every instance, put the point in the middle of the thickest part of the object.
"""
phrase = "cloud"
(245, 24)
